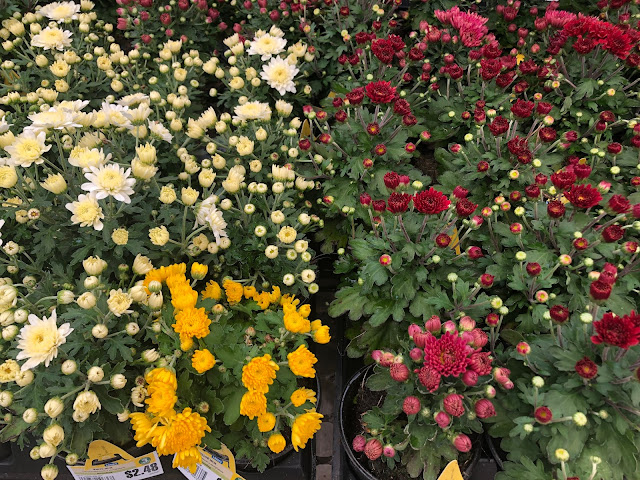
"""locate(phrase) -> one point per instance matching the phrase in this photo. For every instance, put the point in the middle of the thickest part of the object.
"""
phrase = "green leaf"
(380, 381)
(404, 284)
(232, 407)
(511, 336)
(12, 430)
(414, 465)
(110, 404)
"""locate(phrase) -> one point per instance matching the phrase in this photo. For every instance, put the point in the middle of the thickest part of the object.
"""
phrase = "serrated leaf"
(380, 381)
(232, 407)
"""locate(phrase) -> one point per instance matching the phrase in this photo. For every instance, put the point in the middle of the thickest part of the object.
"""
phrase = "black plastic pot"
(349, 393)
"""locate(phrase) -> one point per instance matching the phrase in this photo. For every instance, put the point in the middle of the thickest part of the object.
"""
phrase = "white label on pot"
(215, 465)
(146, 466)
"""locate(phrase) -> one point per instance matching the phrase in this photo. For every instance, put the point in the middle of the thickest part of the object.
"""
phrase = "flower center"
(110, 180)
(29, 149)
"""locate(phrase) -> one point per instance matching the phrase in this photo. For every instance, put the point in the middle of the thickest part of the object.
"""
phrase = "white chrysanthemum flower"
(252, 111)
(160, 131)
(60, 11)
(138, 115)
(204, 208)
(50, 38)
(53, 118)
(72, 105)
(1, 225)
(87, 403)
(27, 148)
(217, 224)
(276, 32)
(134, 99)
(4, 126)
(279, 74)
(232, 40)
(282, 174)
(86, 158)
(283, 108)
(86, 211)
(266, 46)
(39, 340)
(110, 180)
(119, 302)
(115, 115)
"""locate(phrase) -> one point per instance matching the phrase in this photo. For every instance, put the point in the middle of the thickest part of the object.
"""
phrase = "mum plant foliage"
(434, 391)
(234, 354)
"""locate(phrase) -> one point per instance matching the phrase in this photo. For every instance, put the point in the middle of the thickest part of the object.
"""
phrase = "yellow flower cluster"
(168, 431)
(263, 299)
(296, 320)
(163, 273)
(233, 291)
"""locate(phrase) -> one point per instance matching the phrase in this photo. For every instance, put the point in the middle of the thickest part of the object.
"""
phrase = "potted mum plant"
(239, 367)
(422, 404)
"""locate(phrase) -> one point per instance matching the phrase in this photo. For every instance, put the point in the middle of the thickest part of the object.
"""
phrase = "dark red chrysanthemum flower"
(600, 290)
(453, 404)
(465, 207)
(564, 178)
(379, 205)
(398, 202)
(618, 331)
(586, 368)
(619, 204)
(634, 318)
(555, 209)
(532, 191)
(380, 92)
(533, 269)
(431, 202)
(499, 126)
(583, 196)
(480, 362)
(581, 243)
(355, 96)
(559, 313)
(391, 180)
(443, 240)
(612, 233)
(430, 378)
(522, 108)
(547, 134)
(447, 355)
(543, 415)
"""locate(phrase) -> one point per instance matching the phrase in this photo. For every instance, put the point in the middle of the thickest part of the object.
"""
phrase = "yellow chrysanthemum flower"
(177, 281)
(276, 443)
(199, 271)
(321, 335)
(213, 291)
(266, 422)
(250, 292)
(192, 322)
(162, 375)
(259, 373)
(162, 399)
(301, 362)
(275, 294)
(253, 404)
(304, 428)
(161, 274)
(305, 310)
(144, 427)
(302, 395)
(203, 360)
(263, 299)
(182, 434)
(296, 323)
(233, 291)
(184, 298)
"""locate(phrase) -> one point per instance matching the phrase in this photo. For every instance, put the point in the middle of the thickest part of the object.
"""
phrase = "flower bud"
(68, 367)
(30, 415)
(95, 374)
(54, 407)
(118, 381)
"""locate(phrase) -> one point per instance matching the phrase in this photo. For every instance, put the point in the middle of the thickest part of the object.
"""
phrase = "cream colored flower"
(266, 45)
(189, 195)
(60, 11)
(55, 183)
(94, 265)
(142, 171)
(110, 180)
(283, 108)
(8, 176)
(308, 275)
(206, 177)
(119, 302)
(120, 236)
(39, 340)
(60, 68)
(52, 38)
(87, 403)
(252, 111)
(244, 146)
(160, 131)
(53, 435)
(287, 234)
(142, 265)
(85, 158)
(279, 74)
(138, 394)
(159, 236)
(9, 370)
(28, 148)
(147, 154)
(168, 195)
(55, 118)
(86, 211)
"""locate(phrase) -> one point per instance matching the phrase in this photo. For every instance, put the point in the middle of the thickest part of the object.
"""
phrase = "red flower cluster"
(470, 26)
(398, 202)
(621, 332)
(592, 32)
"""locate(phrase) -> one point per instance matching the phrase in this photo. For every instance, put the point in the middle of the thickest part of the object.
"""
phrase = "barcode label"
(202, 473)
(97, 477)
